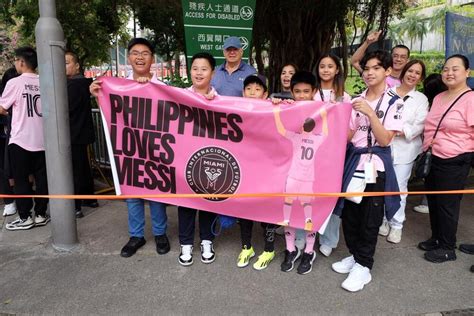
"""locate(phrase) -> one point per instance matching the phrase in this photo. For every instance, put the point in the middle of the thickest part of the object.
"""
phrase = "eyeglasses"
(144, 54)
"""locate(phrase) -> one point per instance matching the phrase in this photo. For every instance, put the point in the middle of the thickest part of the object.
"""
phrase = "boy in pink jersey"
(374, 121)
(26, 147)
(301, 174)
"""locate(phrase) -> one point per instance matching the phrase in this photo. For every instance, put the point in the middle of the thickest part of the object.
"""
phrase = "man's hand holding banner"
(169, 140)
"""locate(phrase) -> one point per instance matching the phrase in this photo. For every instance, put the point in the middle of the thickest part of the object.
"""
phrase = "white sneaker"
(325, 250)
(9, 209)
(186, 256)
(395, 235)
(41, 220)
(20, 224)
(358, 277)
(207, 252)
(422, 209)
(345, 265)
(384, 229)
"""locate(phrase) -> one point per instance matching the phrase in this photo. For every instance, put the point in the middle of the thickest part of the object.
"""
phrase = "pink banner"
(169, 140)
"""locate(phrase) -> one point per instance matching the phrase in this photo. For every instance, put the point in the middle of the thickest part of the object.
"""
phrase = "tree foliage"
(165, 20)
(301, 31)
(89, 26)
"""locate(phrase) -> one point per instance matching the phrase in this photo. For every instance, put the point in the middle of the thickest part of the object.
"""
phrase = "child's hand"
(142, 79)
(361, 105)
(95, 87)
(276, 101)
(210, 96)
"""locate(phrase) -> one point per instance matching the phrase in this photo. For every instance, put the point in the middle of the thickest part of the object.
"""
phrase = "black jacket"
(80, 114)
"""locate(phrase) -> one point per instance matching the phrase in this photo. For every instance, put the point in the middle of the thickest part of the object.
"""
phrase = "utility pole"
(52, 72)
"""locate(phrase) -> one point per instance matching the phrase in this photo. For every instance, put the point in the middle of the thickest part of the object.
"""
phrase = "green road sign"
(207, 24)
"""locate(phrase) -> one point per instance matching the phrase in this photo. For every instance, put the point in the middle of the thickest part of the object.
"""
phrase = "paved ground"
(94, 279)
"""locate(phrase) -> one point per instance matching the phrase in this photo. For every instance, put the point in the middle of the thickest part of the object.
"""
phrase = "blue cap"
(232, 41)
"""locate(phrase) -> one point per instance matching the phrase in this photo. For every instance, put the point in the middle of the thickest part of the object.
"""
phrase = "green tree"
(301, 31)
(394, 32)
(165, 20)
(89, 26)
(415, 26)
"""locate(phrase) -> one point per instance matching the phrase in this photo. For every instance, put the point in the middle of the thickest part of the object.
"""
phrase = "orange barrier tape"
(239, 195)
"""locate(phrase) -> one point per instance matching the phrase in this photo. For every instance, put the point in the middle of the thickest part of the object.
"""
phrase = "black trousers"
(5, 187)
(23, 163)
(361, 222)
(187, 224)
(246, 227)
(83, 181)
(446, 174)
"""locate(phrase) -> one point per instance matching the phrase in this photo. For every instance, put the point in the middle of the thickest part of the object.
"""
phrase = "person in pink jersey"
(301, 174)
(453, 151)
(374, 122)
(26, 146)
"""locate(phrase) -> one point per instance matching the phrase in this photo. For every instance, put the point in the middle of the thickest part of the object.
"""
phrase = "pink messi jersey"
(22, 94)
(305, 146)
(392, 81)
(359, 124)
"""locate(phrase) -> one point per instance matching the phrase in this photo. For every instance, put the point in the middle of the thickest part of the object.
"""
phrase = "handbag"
(357, 184)
(423, 161)
(423, 164)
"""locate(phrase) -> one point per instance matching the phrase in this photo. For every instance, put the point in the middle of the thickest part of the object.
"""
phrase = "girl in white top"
(330, 88)
(406, 146)
(330, 80)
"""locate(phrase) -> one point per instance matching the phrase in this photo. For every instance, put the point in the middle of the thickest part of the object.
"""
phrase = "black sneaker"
(79, 213)
(290, 258)
(132, 246)
(306, 264)
(162, 244)
(467, 248)
(428, 245)
(440, 255)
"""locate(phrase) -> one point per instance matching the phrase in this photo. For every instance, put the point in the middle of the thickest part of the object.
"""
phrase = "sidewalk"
(94, 279)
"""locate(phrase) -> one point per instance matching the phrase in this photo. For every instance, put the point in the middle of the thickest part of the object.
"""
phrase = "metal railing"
(98, 155)
(99, 147)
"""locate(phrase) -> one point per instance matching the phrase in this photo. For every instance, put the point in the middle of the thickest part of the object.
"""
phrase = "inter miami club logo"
(213, 170)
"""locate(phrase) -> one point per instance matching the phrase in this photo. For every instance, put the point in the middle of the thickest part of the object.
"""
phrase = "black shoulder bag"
(423, 161)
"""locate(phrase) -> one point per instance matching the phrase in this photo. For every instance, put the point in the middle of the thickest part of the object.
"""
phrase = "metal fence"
(99, 148)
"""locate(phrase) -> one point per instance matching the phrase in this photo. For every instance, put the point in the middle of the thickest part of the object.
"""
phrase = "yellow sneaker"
(245, 256)
(264, 260)
(308, 226)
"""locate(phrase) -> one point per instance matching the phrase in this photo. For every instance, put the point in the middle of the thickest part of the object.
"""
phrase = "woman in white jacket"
(406, 146)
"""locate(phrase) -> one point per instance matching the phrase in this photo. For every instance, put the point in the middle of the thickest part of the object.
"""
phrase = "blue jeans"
(330, 237)
(136, 217)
